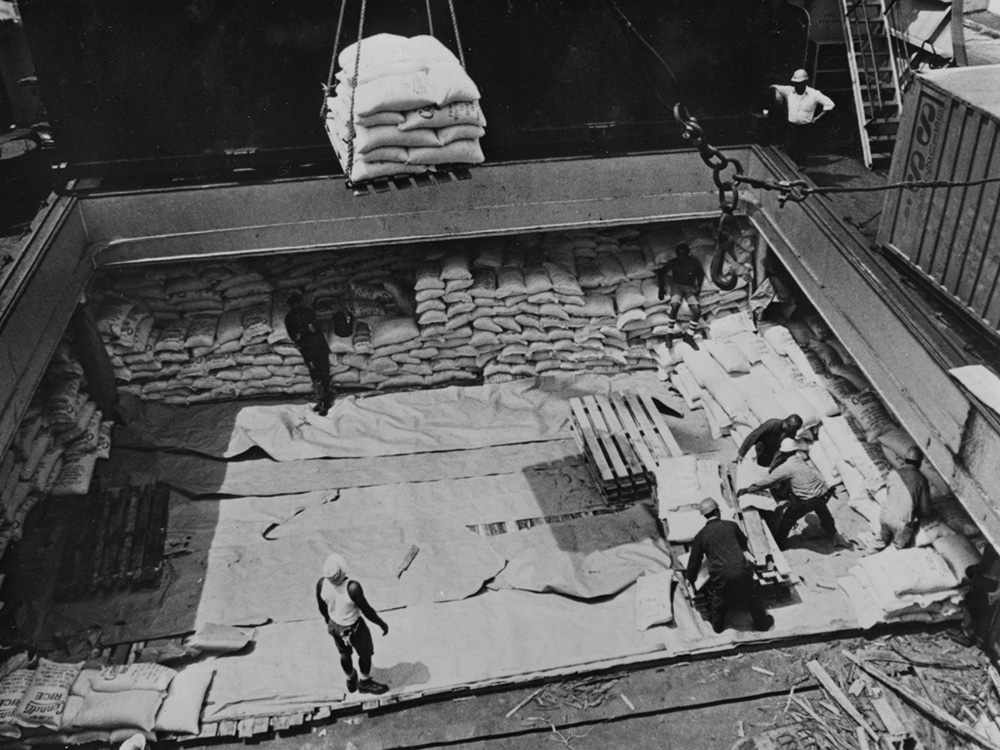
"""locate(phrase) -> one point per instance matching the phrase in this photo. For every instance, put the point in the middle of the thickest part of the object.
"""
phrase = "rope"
(628, 25)
(357, 76)
(336, 44)
(458, 39)
(904, 185)
(430, 21)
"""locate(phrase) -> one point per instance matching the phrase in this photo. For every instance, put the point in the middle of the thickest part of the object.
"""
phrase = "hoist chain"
(717, 161)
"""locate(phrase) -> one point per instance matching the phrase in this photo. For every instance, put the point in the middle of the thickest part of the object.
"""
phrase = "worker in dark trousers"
(767, 437)
(809, 493)
(686, 276)
(908, 501)
(730, 580)
(305, 332)
(805, 106)
(343, 605)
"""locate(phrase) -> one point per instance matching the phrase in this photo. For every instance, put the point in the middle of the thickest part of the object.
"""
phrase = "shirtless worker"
(343, 605)
(687, 277)
(306, 333)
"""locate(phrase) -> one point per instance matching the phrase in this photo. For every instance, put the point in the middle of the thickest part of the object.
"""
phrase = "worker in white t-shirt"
(805, 106)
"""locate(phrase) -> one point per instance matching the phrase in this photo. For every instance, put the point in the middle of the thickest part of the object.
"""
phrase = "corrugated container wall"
(950, 131)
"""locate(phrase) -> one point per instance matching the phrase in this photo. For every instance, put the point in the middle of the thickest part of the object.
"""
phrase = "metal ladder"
(875, 77)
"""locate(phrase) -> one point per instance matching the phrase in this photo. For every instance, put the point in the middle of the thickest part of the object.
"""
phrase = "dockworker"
(809, 492)
(767, 438)
(306, 333)
(343, 605)
(907, 503)
(731, 584)
(805, 106)
(686, 276)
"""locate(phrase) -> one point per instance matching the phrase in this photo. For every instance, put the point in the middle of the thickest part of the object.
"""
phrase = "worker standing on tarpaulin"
(730, 579)
(805, 106)
(305, 332)
(686, 277)
(342, 603)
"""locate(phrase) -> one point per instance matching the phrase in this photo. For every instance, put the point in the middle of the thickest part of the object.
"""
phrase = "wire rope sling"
(395, 106)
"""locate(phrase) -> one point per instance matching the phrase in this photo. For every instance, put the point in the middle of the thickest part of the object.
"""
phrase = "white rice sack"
(783, 370)
(792, 400)
(390, 54)
(133, 708)
(12, 689)
(201, 331)
(111, 315)
(897, 441)
(779, 338)
(104, 439)
(43, 702)
(393, 93)
(853, 374)
(173, 337)
(454, 114)
(702, 365)
(457, 152)
(385, 136)
(61, 404)
(75, 474)
(729, 396)
(256, 322)
(867, 409)
(629, 296)
(917, 570)
(137, 676)
(826, 467)
(820, 400)
(654, 600)
(454, 133)
(180, 712)
(729, 355)
(959, 553)
(950, 510)
(455, 267)
(731, 325)
(127, 330)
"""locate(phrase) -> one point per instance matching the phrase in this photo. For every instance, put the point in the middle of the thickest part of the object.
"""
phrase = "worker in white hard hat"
(809, 492)
(907, 502)
(731, 584)
(806, 106)
(343, 605)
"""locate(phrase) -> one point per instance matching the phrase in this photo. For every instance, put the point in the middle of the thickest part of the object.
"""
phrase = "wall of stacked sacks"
(58, 444)
(459, 311)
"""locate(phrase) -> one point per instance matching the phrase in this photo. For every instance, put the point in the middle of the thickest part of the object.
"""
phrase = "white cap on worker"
(790, 446)
(335, 567)
(800, 76)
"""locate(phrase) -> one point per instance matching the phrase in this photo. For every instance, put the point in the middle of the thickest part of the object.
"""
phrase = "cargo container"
(950, 132)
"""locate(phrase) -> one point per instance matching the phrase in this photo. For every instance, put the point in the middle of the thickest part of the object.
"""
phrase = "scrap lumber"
(838, 695)
(939, 714)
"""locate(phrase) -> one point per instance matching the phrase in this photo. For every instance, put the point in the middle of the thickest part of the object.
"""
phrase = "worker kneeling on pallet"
(730, 579)
(809, 492)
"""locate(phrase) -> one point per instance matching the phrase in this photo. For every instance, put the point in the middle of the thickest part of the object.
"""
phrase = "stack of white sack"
(414, 107)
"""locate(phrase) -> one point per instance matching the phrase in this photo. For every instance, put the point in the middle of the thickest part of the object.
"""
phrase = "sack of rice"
(43, 702)
(654, 600)
(181, 710)
(867, 409)
(12, 689)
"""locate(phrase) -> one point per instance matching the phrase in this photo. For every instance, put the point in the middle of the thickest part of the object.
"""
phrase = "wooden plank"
(838, 695)
(152, 561)
(112, 537)
(604, 434)
(633, 432)
(777, 556)
(621, 439)
(664, 432)
(261, 725)
(124, 557)
(139, 533)
(227, 728)
(295, 720)
(100, 536)
(281, 723)
(209, 730)
(244, 728)
(659, 450)
(595, 451)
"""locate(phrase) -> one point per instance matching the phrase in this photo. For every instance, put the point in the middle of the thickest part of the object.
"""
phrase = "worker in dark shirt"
(730, 580)
(686, 276)
(305, 332)
(907, 502)
(767, 438)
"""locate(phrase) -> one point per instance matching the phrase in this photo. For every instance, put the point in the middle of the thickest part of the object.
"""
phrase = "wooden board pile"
(461, 311)
(402, 106)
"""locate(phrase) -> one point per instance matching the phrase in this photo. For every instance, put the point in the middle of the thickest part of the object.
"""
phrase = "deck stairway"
(875, 76)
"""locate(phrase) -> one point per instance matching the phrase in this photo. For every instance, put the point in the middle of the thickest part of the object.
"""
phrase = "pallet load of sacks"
(413, 106)
(742, 376)
(425, 315)
(57, 445)
(49, 702)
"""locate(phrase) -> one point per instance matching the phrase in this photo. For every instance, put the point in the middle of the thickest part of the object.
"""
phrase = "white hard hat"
(800, 76)
(335, 566)
(790, 446)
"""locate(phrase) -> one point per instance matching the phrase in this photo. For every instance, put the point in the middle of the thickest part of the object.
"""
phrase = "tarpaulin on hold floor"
(451, 418)
(587, 557)
(197, 475)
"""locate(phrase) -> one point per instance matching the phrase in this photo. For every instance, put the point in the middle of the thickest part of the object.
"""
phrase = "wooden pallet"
(623, 437)
(442, 174)
(120, 541)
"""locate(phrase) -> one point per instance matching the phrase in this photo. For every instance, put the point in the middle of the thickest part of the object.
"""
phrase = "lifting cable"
(798, 190)
(328, 88)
